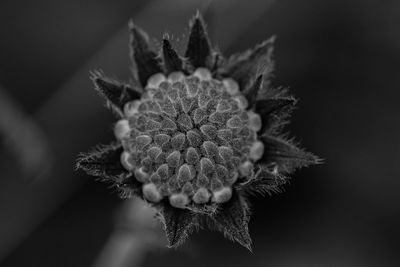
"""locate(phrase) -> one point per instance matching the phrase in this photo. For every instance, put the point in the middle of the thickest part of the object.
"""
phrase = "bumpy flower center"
(189, 138)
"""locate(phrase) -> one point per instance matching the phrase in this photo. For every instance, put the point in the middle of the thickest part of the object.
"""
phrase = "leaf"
(265, 107)
(232, 220)
(103, 161)
(198, 49)
(264, 182)
(116, 93)
(178, 224)
(245, 67)
(274, 110)
(251, 93)
(145, 58)
(286, 155)
(172, 61)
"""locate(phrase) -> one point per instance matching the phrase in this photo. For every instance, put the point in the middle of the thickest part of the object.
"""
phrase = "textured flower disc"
(189, 138)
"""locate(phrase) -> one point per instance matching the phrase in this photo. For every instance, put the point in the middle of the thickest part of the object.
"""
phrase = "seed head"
(197, 135)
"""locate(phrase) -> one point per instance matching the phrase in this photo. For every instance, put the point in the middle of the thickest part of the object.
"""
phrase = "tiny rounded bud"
(131, 108)
(125, 161)
(178, 141)
(223, 106)
(154, 152)
(206, 166)
(216, 184)
(232, 178)
(209, 130)
(203, 74)
(202, 180)
(184, 173)
(141, 175)
(142, 141)
(161, 139)
(121, 129)
(232, 87)
(176, 76)
(226, 153)
(158, 94)
(255, 122)
(221, 171)
(155, 178)
(151, 193)
(187, 188)
(199, 115)
(210, 148)
(194, 138)
(192, 157)
(179, 200)
(155, 80)
(242, 101)
(256, 150)
(222, 195)
(173, 159)
(201, 196)
(234, 122)
(163, 171)
(245, 168)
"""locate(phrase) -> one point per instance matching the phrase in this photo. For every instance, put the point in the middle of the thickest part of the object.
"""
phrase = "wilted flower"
(197, 134)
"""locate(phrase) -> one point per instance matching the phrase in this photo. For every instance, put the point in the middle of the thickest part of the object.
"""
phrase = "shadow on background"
(340, 58)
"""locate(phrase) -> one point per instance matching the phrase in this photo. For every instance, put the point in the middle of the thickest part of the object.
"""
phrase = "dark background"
(340, 58)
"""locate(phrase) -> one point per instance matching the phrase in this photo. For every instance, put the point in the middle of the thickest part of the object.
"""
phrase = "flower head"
(197, 134)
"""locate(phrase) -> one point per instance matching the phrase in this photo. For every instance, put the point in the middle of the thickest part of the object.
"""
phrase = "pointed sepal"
(103, 162)
(285, 154)
(264, 182)
(178, 224)
(252, 92)
(266, 107)
(274, 110)
(198, 50)
(117, 94)
(246, 67)
(142, 53)
(172, 60)
(232, 220)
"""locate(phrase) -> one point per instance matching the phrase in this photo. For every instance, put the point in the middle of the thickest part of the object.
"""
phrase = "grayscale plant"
(197, 135)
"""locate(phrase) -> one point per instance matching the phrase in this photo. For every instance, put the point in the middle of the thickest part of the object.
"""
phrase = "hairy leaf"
(103, 161)
(178, 224)
(172, 61)
(198, 49)
(251, 93)
(265, 181)
(145, 58)
(232, 220)
(116, 93)
(274, 110)
(248, 66)
(286, 155)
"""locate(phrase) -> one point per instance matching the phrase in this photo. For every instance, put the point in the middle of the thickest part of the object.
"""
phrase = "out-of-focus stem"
(23, 139)
(136, 233)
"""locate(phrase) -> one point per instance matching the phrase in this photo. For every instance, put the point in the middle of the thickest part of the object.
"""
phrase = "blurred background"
(341, 59)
